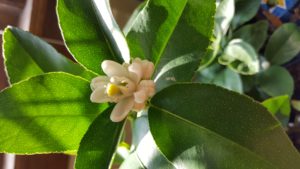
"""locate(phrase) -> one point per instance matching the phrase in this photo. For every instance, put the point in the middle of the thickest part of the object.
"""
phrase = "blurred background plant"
(255, 51)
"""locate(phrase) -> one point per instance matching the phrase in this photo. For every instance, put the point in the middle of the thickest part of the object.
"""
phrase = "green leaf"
(112, 32)
(255, 34)
(132, 162)
(240, 57)
(191, 158)
(181, 69)
(225, 14)
(99, 144)
(82, 33)
(134, 15)
(284, 44)
(276, 81)
(278, 105)
(153, 158)
(166, 30)
(220, 76)
(296, 104)
(231, 130)
(214, 49)
(27, 55)
(46, 113)
(244, 11)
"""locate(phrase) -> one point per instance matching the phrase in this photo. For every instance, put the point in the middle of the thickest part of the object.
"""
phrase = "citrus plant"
(142, 75)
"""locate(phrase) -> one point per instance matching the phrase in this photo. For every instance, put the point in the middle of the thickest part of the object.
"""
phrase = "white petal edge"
(99, 96)
(99, 81)
(137, 69)
(122, 109)
(148, 69)
(112, 68)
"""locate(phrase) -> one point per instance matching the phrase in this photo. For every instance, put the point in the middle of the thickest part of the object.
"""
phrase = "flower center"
(112, 90)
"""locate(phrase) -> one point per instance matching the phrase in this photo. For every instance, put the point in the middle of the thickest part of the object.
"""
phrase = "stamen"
(112, 90)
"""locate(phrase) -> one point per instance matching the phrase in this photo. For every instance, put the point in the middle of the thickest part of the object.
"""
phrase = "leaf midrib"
(160, 52)
(213, 132)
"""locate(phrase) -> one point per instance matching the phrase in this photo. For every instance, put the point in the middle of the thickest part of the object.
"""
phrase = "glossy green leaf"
(244, 11)
(225, 14)
(191, 158)
(27, 55)
(284, 44)
(132, 162)
(276, 81)
(99, 144)
(82, 33)
(231, 130)
(220, 76)
(181, 69)
(255, 34)
(214, 49)
(111, 29)
(153, 158)
(278, 105)
(296, 104)
(169, 30)
(134, 15)
(46, 113)
(240, 57)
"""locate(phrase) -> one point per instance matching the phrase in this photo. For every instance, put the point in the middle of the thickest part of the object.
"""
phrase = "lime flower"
(128, 85)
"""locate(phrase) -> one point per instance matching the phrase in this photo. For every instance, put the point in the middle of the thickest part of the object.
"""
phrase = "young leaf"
(244, 11)
(225, 14)
(240, 57)
(284, 44)
(278, 105)
(276, 81)
(82, 33)
(46, 113)
(231, 130)
(166, 30)
(220, 76)
(99, 144)
(255, 34)
(27, 55)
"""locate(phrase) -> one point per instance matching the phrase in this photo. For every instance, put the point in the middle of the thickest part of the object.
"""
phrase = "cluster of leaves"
(47, 108)
(242, 61)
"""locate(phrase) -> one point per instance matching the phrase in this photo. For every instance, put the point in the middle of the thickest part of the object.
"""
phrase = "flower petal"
(139, 106)
(136, 68)
(122, 109)
(140, 96)
(112, 68)
(99, 81)
(147, 85)
(148, 69)
(99, 96)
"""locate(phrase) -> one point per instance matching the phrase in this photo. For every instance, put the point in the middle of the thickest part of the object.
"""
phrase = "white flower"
(128, 85)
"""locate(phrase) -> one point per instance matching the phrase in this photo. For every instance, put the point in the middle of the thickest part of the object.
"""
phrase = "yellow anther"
(112, 90)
